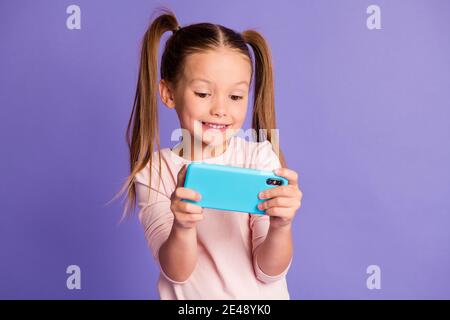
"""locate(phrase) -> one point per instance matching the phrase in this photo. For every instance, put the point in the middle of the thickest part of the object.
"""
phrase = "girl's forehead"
(211, 66)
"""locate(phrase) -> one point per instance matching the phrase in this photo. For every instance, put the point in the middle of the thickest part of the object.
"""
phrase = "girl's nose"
(219, 109)
(219, 113)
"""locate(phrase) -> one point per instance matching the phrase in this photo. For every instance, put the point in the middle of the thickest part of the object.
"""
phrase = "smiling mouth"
(216, 125)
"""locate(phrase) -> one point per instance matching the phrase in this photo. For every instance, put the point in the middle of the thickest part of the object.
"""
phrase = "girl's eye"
(201, 95)
(236, 98)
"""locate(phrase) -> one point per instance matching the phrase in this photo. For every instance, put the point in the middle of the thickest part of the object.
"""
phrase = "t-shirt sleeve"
(154, 211)
(265, 158)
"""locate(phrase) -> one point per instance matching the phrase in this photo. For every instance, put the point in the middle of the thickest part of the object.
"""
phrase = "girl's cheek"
(190, 112)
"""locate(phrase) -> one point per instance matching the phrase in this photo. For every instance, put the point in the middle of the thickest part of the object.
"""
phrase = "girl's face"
(211, 96)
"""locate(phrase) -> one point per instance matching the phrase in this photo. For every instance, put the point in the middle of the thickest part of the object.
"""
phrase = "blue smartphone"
(230, 188)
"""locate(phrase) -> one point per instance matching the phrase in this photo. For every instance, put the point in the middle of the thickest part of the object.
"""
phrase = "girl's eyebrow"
(199, 79)
(207, 81)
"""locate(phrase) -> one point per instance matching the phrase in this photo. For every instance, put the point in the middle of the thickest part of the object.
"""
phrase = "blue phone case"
(229, 188)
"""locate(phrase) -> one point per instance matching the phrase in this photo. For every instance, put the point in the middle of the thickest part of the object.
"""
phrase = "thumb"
(181, 175)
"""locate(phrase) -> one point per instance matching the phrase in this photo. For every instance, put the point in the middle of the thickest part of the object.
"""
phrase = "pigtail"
(143, 126)
(264, 99)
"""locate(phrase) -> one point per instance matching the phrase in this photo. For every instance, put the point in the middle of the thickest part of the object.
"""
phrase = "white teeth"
(214, 126)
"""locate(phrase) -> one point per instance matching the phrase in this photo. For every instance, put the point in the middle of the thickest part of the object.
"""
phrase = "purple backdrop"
(363, 117)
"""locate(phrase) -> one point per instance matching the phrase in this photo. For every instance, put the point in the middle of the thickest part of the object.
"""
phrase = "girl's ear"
(167, 94)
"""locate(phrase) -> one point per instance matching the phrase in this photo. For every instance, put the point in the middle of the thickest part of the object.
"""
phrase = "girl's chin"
(213, 141)
(214, 136)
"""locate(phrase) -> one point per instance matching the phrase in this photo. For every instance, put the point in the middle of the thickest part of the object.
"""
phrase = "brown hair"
(143, 132)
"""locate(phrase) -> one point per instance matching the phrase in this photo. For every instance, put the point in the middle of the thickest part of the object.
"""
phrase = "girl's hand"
(186, 214)
(283, 201)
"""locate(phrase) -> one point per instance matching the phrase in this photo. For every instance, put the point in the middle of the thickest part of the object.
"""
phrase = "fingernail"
(262, 195)
(260, 206)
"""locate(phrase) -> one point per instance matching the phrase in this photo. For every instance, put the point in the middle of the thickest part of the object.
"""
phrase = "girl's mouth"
(217, 126)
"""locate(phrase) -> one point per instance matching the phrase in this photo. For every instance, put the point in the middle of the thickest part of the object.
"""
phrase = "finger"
(187, 207)
(279, 212)
(279, 202)
(289, 174)
(181, 175)
(187, 193)
(281, 191)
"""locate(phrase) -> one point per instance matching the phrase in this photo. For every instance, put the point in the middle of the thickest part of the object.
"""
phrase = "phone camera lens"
(269, 181)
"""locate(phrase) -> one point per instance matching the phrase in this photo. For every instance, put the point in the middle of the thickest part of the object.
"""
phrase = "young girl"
(206, 72)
